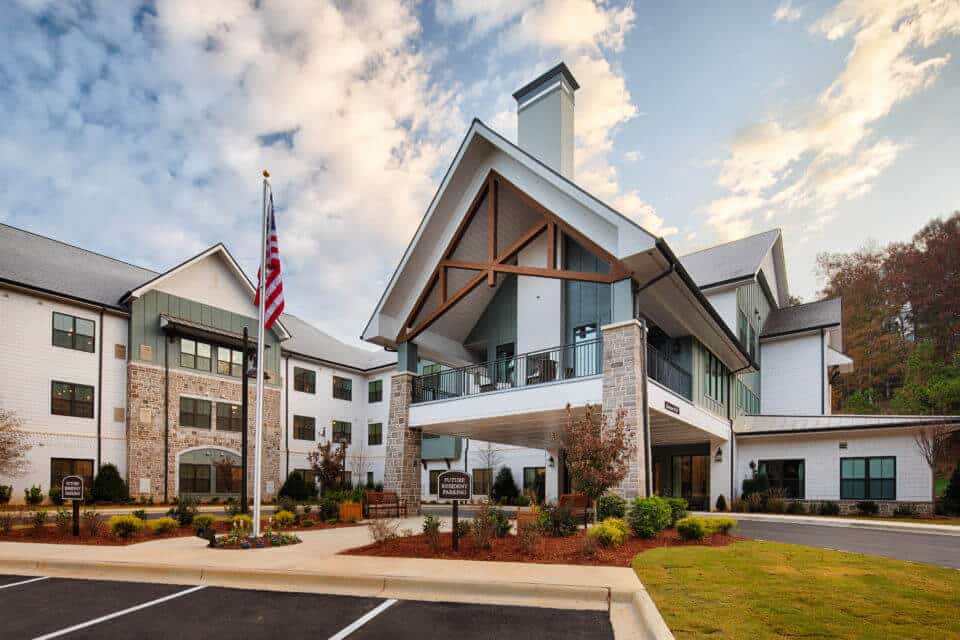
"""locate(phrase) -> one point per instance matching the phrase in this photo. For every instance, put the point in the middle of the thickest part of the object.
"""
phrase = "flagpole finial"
(266, 174)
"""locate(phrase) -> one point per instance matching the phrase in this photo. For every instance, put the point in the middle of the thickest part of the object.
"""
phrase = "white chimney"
(545, 118)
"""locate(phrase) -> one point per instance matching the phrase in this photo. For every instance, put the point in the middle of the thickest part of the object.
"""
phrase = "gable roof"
(802, 317)
(50, 266)
(307, 340)
(730, 261)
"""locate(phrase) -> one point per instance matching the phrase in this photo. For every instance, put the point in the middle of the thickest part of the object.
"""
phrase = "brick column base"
(402, 465)
(624, 349)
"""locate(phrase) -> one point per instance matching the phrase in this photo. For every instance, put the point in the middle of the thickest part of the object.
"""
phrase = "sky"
(139, 130)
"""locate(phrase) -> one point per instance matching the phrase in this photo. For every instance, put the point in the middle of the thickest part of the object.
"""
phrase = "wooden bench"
(385, 504)
(578, 504)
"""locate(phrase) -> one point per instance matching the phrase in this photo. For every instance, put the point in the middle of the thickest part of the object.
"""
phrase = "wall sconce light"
(718, 456)
(551, 463)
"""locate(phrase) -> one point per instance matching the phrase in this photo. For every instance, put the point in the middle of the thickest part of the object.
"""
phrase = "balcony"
(667, 373)
(558, 364)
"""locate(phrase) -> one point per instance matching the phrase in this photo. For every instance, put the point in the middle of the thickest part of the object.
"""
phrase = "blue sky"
(138, 130)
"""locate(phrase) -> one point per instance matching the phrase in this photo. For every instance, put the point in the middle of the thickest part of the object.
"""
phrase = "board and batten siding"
(755, 306)
(699, 377)
(145, 328)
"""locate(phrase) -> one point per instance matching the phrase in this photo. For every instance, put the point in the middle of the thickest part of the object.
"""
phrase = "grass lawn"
(773, 590)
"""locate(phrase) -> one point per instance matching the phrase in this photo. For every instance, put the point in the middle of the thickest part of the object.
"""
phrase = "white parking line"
(117, 614)
(359, 622)
(17, 584)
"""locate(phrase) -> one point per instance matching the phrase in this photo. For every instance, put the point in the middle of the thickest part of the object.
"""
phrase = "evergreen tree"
(504, 488)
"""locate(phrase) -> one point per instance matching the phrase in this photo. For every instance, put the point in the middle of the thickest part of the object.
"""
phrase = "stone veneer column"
(402, 469)
(624, 349)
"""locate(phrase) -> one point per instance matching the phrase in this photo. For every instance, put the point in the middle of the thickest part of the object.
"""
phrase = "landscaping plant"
(7, 520)
(868, 508)
(691, 528)
(39, 519)
(504, 489)
(589, 545)
(500, 521)
(162, 526)
(54, 494)
(431, 528)
(109, 486)
(721, 503)
(529, 538)
(140, 513)
(796, 508)
(185, 509)
(829, 509)
(285, 503)
(556, 521)
(596, 452)
(14, 445)
(905, 511)
(284, 519)
(125, 526)
(776, 500)
(91, 523)
(951, 497)
(33, 495)
(483, 528)
(611, 506)
(381, 530)
(296, 487)
(243, 520)
(308, 522)
(612, 532)
(5, 492)
(231, 507)
(648, 516)
(678, 509)
(63, 519)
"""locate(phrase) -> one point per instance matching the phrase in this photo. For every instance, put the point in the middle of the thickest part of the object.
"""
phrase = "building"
(106, 362)
(532, 294)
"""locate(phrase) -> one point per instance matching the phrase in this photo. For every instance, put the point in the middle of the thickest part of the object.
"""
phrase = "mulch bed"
(567, 550)
(50, 535)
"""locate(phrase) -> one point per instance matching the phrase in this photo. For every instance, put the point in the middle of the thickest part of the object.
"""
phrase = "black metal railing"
(527, 369)
(668, 373)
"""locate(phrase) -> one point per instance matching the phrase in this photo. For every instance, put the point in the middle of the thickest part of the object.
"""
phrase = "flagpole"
(258, 431)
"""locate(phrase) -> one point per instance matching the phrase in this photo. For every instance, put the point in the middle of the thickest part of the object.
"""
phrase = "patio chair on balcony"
(541, 368)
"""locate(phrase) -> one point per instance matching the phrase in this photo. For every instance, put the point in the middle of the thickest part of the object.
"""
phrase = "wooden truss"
(497, 262)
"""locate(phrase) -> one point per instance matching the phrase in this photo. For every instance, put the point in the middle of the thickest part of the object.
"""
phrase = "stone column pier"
(402, 465)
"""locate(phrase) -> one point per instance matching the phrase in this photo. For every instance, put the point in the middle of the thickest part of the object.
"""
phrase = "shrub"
(308, 522)
(738, 506)
(54, 494)
(759, 483)
(557, 521)
(243, 520)
(905, 511)
(776, 505)
(796, 508)
(382, 530)
(589, 545)
(500, 521)
(529, 538)
(648, 516)
(431, 528)
(483, 527)
(161, 526)
(868, 508)
(7, 521)
(463, 528)
(108, 486)
(63, 519)
(612, 532)
(92, 523)
(329, 509)
(296, 487)
(678, 509)
(5, 492)
(125, 526)
(504, 488)
(720, 525)
(38, 519)
(231, 507)
(611, 506)
(185, 510)
(721, 503)
(203, 521)
(754, 503)
(284, 519)
(692, 528)
(829, 509)
(951, 496)
(286, 504)
(33, 495)
(140, 513)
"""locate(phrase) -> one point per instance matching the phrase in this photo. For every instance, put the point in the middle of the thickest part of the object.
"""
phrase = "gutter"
(791, 332)
(863, 427)
(63, 296)
(675, 263)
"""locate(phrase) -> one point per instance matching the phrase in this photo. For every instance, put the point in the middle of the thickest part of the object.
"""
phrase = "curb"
(925, 529)
(649, 617)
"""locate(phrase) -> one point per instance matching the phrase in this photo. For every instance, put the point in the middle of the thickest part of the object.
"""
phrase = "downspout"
(647, 449)
(166, 419)
(286, 410)
(100, 399)
(823, 382)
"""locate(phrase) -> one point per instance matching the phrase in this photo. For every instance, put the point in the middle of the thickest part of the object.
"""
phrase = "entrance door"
(690, 480)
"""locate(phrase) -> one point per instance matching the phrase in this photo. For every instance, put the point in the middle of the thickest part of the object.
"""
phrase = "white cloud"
(634, 156)
(830, 153)
(135, 132)
(786, 12)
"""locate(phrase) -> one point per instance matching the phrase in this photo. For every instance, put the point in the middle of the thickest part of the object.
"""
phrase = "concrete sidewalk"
(829, 521)
(314, 566)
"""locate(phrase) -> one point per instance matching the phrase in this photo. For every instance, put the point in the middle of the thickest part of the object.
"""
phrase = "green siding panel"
(583, 302)
(498, 323)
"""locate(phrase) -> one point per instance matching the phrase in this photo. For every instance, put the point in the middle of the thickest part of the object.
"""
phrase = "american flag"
(274, 287)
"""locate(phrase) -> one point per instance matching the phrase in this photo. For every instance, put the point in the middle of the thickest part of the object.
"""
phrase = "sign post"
(454, 485)
(71, 488)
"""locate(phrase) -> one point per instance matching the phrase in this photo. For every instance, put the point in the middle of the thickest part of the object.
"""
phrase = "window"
(375, 391)
(785, 474)
(715, 374)
(73, 333)
(195, 355)
(68, 399)
(753, 341)
(374, 434)
(194, 413)
(342, 388)
(228, 477)
(369, 479)
(868, 478)
(535, 480)
(341, 432)
(429, 369)
(304, 380)
(435, 481)
(304, 428)
(482, 482)
(194, 478)
(742, 327)
(60, 468)
(229, 362)
(747, 400)
(505, 363)
(229, 417)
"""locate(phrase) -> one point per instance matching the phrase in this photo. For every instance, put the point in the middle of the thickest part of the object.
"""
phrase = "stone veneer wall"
(402, 471)
(623, 362)
(145, 428)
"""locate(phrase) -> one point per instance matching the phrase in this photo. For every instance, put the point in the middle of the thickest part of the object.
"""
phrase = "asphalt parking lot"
(57, 607)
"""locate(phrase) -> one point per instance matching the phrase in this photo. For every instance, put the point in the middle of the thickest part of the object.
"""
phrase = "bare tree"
(934, 445)
(489, 456)
(360, 463)
(13, 445)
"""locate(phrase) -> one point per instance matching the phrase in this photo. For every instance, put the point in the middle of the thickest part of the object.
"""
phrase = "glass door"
(690, 479)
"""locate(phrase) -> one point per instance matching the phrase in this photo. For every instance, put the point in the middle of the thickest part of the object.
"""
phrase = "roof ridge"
(78, 248)
(722, 244)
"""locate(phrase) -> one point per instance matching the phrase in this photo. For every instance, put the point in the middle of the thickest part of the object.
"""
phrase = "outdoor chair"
(385, 504)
